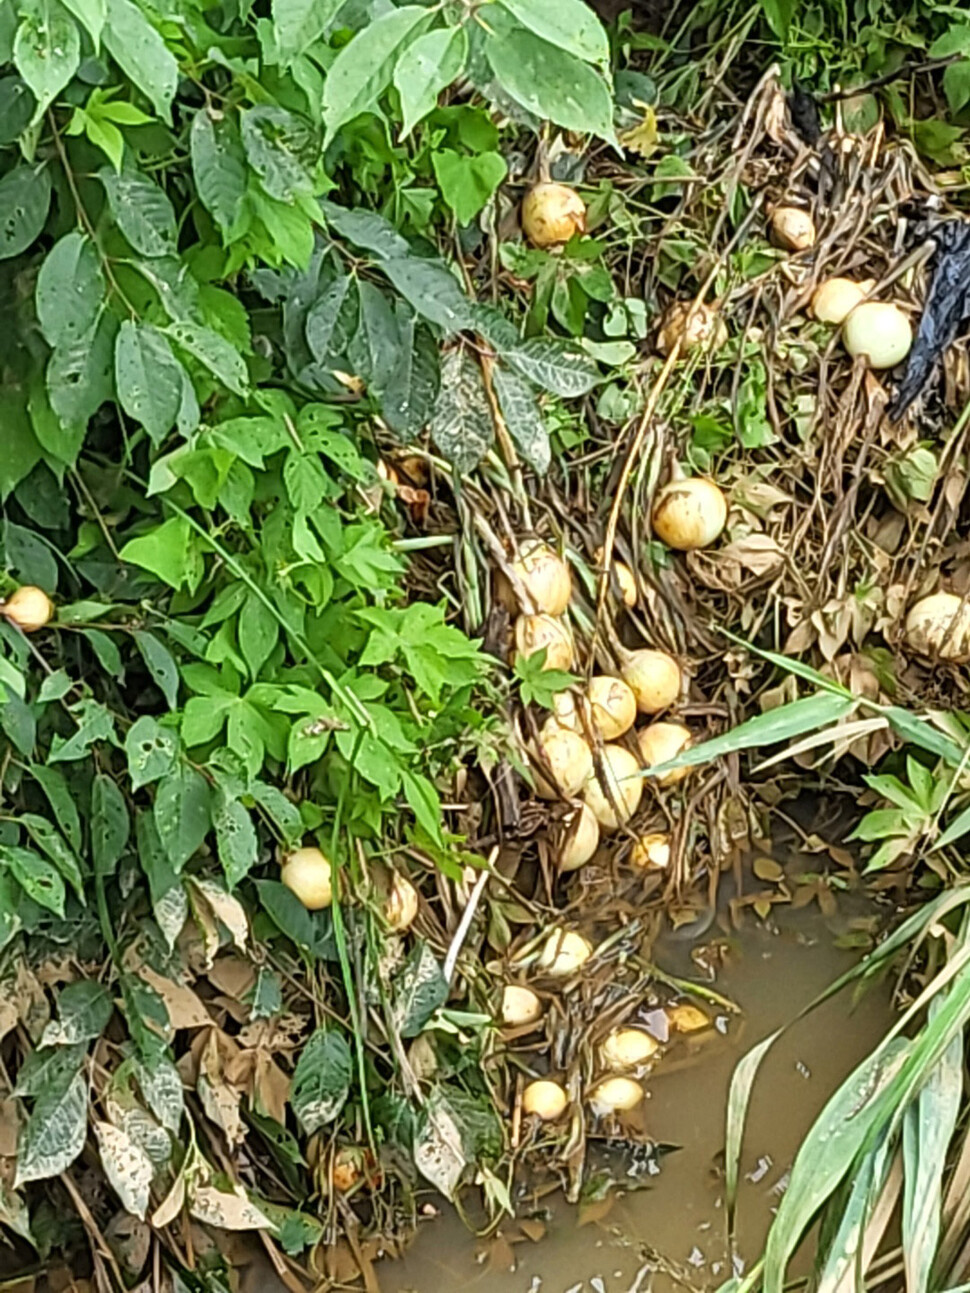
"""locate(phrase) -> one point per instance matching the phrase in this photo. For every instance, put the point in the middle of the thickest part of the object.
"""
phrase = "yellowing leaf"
(642, 138)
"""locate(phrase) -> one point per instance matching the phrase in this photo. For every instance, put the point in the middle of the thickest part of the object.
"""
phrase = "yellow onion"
(307, 873)
(627, 1048)
(545, 1099)
(622, 579)
(939, 625)
(660, 742)
(567, 757)
(651, 852)
(621, 773)
(563, 953)
(615, 1095)
(581, 839)
(401, 906)
(792, 228)
(835, 299)
(520, 1006)
(533, 632)
(685, 1018)
(29, 608)
(654, 677)
(613, 706)
(551, 214)
(347, 1170)
(878, 331)
(566, 711)
(694, 326)
(544, 575)
(689, 513)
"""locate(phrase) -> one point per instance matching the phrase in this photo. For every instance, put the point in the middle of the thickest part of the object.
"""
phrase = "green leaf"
(214, 352)
(219, 168)
(467, 183)
(83, 1009)
(169, 552)
(321, 1079)
(57, 849)
(462, 426)
(417, 991)
(47, 49)
(362, 70)
(152, 751)
(91, 14)
(142, 54)
(80, 376)
(17, 105)
(94, 723)
(424, 801)
(409, 397)
(548, 82)
(271, 138)
(779, 14)
(160, 664)
(110, 824)
(956, 85)
(55, 1132)
(235, 837)
(25, 198)
(431, 290)
(143, 211)
(554, 364)
(36, 876)
(571, 25)
(955, 40)
(59, 796)
(21, 452)
(520, 409)
(374, 348)
(312, 932)
(70, 290)
(428, 66)
(298, 23)
(148, 378)
(956, 830)
(258, 633)
(182, 813)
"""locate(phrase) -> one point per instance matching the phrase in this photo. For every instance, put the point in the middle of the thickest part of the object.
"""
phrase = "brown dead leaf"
(9, 1128)
(228, 1211)
(185, 1008)
(598, 1210)
(219, 1095)
(271, 1087)
(532, 1229)
(767, 869)
(233, 976)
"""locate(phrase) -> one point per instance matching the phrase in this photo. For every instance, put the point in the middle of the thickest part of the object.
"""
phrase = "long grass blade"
(791, 666)
(860, 1220)
(918, 731)
(739, 1097)
(957, 828)
(830, 736)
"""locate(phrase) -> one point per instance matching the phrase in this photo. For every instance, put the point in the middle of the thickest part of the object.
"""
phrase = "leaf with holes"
(143, 211)
(46, 49)
(36, 876)
(235, 837)
(49, 840)
(152, 751)
(182, 813)
(70, 289)
(25, 198)
(149, 378)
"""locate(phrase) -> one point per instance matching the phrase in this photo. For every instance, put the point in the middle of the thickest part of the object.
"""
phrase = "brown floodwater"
(671, 1233)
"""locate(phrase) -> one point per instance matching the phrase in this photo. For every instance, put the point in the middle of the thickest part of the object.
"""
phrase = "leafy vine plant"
(213, 318)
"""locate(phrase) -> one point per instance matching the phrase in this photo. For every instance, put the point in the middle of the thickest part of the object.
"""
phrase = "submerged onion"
(535, 632)
(563, 953)
(619, 771)
(879, 332)
(29, 608)
(545, 1099)
(567, 757)
(552, 213)
(939, 625)
(654, 677)
(663, 741)
(581, 837)
(520, 1006)
(685, 1018)
(626, 1048)
(613, 706)
(615, 1095)
(689, 513)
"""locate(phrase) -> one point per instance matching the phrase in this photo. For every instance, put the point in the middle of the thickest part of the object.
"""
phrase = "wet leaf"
(767, 869)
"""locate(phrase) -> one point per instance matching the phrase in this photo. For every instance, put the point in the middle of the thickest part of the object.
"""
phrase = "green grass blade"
(829, 735)
(957, 828)
(918, 731)
(795, 667)
(845, 1250)
(739, 1097)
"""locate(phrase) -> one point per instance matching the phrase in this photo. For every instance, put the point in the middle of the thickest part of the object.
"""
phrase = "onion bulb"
(694, 326)
(401, 906)
(544, 575)
(544, 1098)
(533, 632)
(792, 228)
(347, 1170)
(625, 1048)
(613, 706)
(307, 873)
(563, 953)
(689, 513)
(567, 757)
(551, 214)
(662, 741)
(566, 711)
(29, 608)
(621, 773)
(651, 852)
(685, 1018)
(878, 331)
(622, 579)
(615, 1095)
(520, 1006)
(939, 625)
(835, 299)
(581, 839)
(654, 677)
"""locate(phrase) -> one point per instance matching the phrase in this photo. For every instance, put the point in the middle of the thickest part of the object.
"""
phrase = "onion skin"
(792, 228)
(563, 953)
(533, 632)
(624, 777)
(402, 904)
(685, 1018)
(307, 873)
(939, 626)
(544, 1099)
(29, 608)
(660, 742)
(552, 214)
(879, 332)
(545, 576)
(615, 1095)
(654, 677)
(696, 327)
(520, 1006)
(651, 852)
(569, 760)
(689, 514)
(581, 839)
(613, 706)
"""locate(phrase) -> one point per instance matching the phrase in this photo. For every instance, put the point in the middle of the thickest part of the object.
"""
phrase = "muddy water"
(677, 1222)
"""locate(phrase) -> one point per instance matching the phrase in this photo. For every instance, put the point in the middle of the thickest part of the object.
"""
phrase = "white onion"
(615, 1095)
(792, 228)
(613, 706)
(660, 742)
(533, 632)
(689, 513)
(654, 677)
(551, 214)
(878, 331)
(563, 953)
(651, 852)
(544, 575)
(835, 299)
(626, 1048)
(939, 625)
(621, 773)
(694, 326)
(545, 1099)
(520, 1006)
(307, 873)
(567, 757)
(401, 906)
(581, 839)
(29, 608)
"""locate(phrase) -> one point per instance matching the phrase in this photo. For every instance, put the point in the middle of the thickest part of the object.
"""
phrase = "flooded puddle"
(670, 1234)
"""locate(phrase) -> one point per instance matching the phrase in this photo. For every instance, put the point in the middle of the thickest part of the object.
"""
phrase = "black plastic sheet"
(947, 306)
